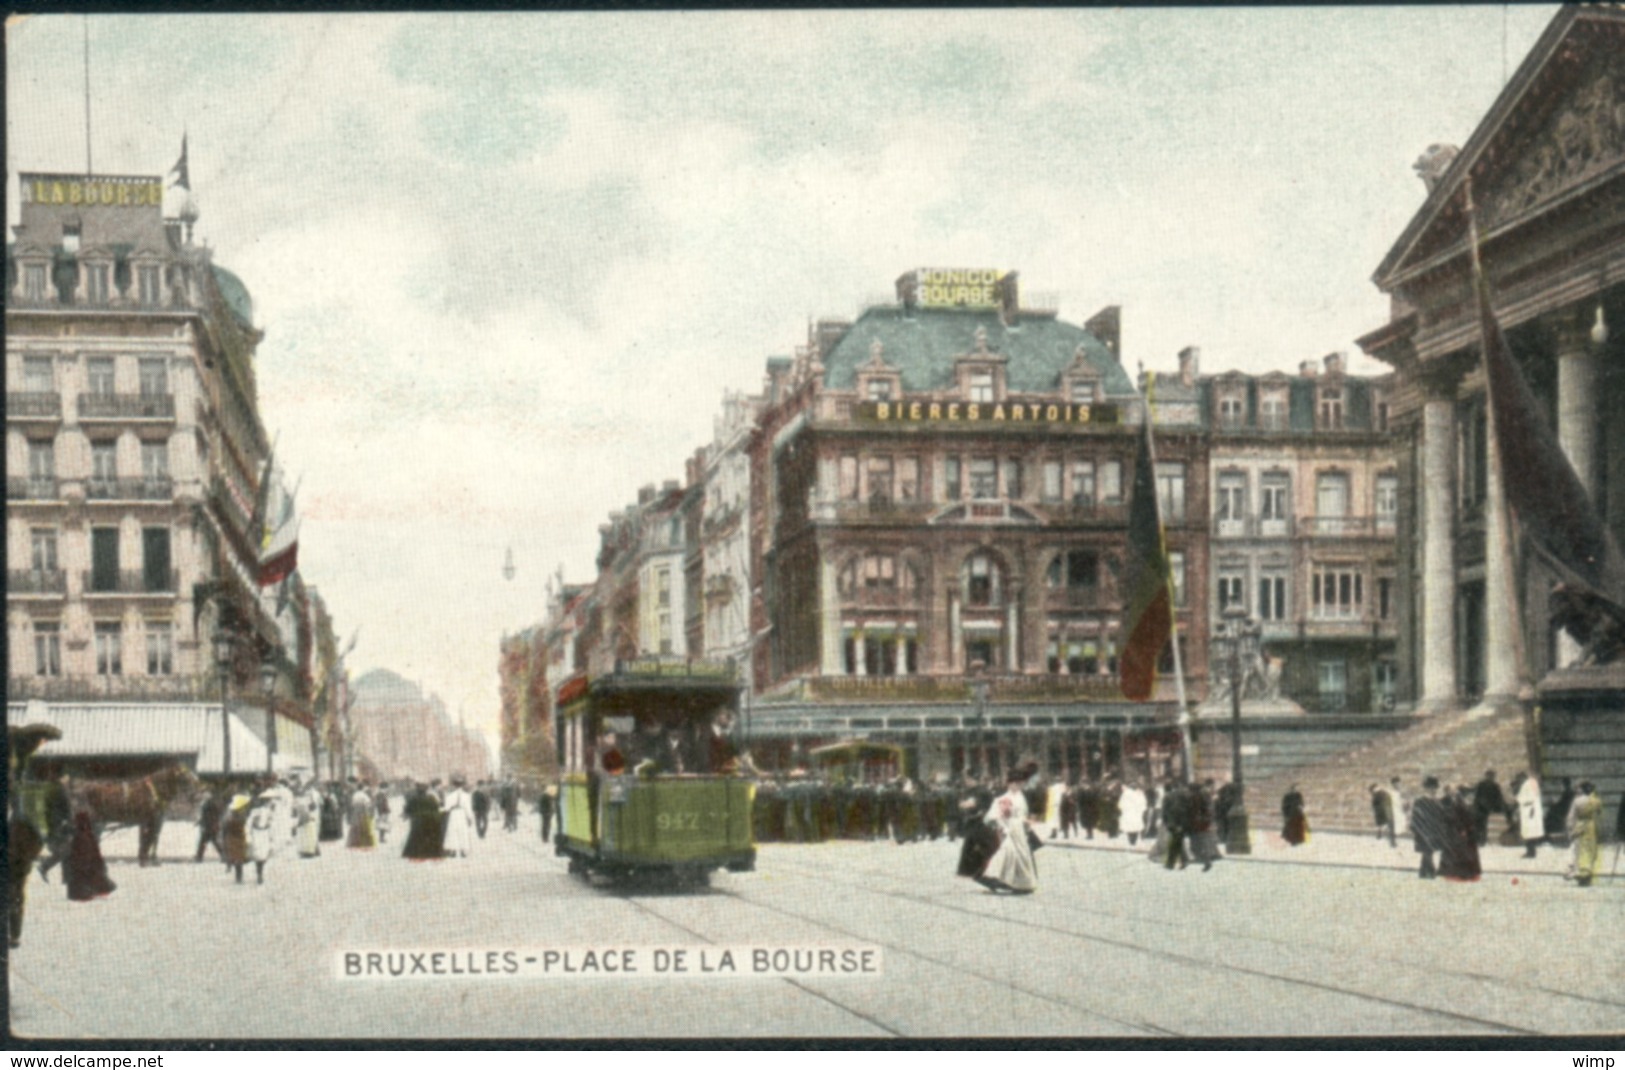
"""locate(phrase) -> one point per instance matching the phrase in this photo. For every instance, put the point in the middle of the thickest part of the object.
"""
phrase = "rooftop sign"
(108, 191)
(987, 413)
(960, 287)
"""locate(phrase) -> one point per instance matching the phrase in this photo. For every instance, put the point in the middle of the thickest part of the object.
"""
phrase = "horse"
(141, 802)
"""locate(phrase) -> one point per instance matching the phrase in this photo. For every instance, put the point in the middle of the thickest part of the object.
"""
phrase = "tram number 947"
(678, 821)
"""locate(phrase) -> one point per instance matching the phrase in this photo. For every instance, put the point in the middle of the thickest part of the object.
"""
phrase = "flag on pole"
(183, 175)
(1149, 619)
(1552, 507)
(279, 543)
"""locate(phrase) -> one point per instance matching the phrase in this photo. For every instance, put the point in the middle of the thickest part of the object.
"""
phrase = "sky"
(507, 264)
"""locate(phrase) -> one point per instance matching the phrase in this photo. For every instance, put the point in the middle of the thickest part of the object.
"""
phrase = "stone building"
(136, 464)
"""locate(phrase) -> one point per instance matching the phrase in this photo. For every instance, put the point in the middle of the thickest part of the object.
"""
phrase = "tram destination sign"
(988, 413)
(709, 668)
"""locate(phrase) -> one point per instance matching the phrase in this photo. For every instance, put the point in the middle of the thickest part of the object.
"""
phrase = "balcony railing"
(1074, 598)
(50, 581)
(33, 405)
(112, 688)
(882, 598)
(146, 489)
(1339, 525)
(32, 489)
(139, 582)
(126, 406)
(1255, 527)
(883, 509)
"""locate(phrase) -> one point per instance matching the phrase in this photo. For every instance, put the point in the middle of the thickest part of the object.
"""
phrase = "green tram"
(650, 779)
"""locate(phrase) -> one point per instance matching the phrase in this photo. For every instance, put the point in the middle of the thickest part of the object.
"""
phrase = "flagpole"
(1173, 608)
(89, 170)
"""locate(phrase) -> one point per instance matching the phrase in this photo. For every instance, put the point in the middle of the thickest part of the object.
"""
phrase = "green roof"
(924, 343)
(235, 294)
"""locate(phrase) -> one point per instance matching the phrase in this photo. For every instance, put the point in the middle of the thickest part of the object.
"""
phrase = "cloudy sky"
(507, 264)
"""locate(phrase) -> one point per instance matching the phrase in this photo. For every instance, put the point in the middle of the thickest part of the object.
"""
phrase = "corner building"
(939, 510)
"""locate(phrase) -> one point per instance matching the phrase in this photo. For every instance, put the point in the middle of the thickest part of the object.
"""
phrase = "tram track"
(1179, 958)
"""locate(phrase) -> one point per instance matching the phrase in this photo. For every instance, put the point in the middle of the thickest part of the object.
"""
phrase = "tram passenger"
(723, 756)
(610, 759)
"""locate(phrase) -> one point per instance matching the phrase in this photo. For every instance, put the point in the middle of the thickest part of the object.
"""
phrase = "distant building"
(403, 734)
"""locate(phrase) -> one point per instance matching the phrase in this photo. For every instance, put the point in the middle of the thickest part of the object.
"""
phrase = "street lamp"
(978, 690)
(1238, 837)
(225, 646)
(268, 673)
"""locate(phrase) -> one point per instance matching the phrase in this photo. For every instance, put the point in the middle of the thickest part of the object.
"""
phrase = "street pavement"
(1333, 938)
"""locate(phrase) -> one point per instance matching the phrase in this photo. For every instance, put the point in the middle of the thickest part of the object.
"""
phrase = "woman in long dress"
(234, 835)
(1012, 867)
(85, 871)
(423, 826)
(1295, 822)
(307, 813)
(1587, 815)
(262, 834)
(1458, 854)
(458, 811)
(362, 833)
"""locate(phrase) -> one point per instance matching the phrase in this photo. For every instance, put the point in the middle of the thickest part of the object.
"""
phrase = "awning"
(187, 731)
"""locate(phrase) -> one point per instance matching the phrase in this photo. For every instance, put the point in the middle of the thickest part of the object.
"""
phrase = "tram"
(859, 762)
(650, 782)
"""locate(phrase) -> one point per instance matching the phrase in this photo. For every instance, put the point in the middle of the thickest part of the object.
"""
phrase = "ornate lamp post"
(268, 674)
(225, 647)
(1239, 837)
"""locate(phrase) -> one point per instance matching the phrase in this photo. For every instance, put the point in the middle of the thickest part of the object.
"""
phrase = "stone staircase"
(1455, 747)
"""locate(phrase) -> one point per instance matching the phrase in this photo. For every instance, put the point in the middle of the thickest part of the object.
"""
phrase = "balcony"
(1252, 527)
(33, 405)
(147, 489)
(882, 509)
(1011, 688)
(131, 583)
(32, 489)
(881, 598)
(1339, 526)
(50, 582)
(1074, 598)
(126, 407)
(1086, 511)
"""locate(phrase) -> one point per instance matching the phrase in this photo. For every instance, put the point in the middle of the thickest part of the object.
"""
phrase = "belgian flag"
(1149, 620)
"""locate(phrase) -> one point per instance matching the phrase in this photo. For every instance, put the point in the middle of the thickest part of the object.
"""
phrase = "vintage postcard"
(847, 525)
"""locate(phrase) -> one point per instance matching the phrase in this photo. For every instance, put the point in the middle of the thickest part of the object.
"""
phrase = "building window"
(952, 489)
(47, 648)
(154, 378)
(1385, 681)
(1387, 499)
(1272, 598)
(1272, 412)
(849, 478)
(70, 237)
(1336, 592)
(104, 559)
(1012, 478)
(1231, 411)
(1380, 417)
(1171, 490)
(1274, 503)
(908, 479)
(1334, 686)
(103, 468)
(155, 461)
(155, 559)
(41, 460)
(665, 633)
(1331, 409)
(1083, 484)
(160, 648)
(147, 285)
(879, 389)
(109, 648)
(1385, 597)
(1052, 481)
(981, 581)
(34, 282)
(984, 478)
(663, 587)
(97, 277)
(42, 549)
(99, 376)
(37, 377)
(879, 572)
(1111, 482)
(880, 480)
(979, 385)
(1083, 391)
(1232, 504)
(1331, 501)
(1232, 591)
(981, 652)
(1176, 569)
(1077, 570)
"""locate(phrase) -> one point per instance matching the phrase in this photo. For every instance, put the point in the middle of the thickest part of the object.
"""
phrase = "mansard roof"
(923, 344)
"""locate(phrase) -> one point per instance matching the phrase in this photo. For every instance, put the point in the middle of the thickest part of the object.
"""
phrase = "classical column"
(902, 654)
(860, 651)
(1438, 660)
(1012, 631)
(1501, 683)
(1576, 423)
(955, 646)
(829, 598)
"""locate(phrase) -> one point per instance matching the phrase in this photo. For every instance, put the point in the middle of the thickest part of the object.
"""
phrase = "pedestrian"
(1557, 815)
(332, 825)
(262, 834)
(23, 847)
(1487, 800)
(508, 796)
(1458, 853)
(1294, 819)
(1131, 805)
(1531, 814)
(1069, 810)
(85, 871)
(546, 801)
(363, 833)
(1012, 867)
(1223, 803)
(458, 812)
(234, 834)
(1204, 844)
(58, 825)
(1089, 808)
(281, 802)
(1428, 826)
(384, 812)
(1176, 824)
(1398, 809)
(1380, 814)
(208, 825)
(482, 809)
(1585, 834)
(307, 817)
(423, 821)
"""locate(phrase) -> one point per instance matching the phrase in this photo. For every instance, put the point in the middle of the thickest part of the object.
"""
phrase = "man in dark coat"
(509, 798)
(58, 825)
(482, 809)
(1458, 854)
(544, 807)
(1428, 826)
(208, 825)
(1223, 803)
(332, 822)
(423, 817)
(1176, 818)
(1487, 800)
